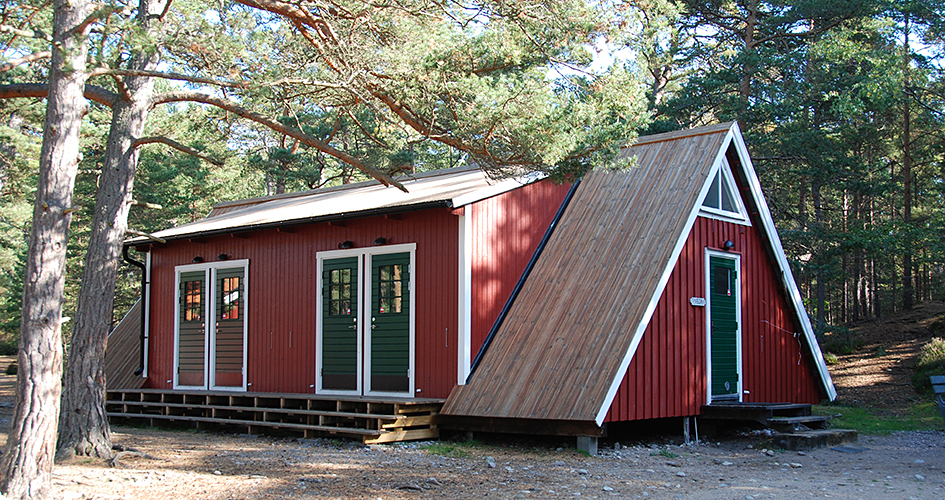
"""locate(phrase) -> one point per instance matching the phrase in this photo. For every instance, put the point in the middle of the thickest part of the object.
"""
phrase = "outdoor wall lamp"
(728, 245)
(346, 244)
(223, 256)
(380, 241)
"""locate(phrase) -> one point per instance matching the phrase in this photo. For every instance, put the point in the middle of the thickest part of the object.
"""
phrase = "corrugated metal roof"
(448, 187)
(563, 342)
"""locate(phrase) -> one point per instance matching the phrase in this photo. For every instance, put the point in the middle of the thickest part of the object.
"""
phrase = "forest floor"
(201, 465)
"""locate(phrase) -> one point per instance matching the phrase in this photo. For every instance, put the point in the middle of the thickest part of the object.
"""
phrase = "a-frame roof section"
(569, 337)
(452, 188)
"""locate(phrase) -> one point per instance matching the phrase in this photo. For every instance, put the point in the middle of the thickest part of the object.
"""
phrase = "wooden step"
(255, 423)
(757, 412)
(791, 424)
(381, 420)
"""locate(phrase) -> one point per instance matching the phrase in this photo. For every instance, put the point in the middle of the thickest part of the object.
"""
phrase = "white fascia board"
(498, 188)
(787, 276)
(658, 293)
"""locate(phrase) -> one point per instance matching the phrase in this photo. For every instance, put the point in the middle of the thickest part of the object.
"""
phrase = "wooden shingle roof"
(568, 338)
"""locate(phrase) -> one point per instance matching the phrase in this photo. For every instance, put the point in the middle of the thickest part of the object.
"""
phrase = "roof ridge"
(330, 189)
(680, 134)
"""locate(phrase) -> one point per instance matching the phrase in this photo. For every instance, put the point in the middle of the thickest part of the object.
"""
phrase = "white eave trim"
(787, 276)
(498, 188)
(660, 287)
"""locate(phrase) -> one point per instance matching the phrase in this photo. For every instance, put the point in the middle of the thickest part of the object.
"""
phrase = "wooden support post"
(587, 444)
(685, 430)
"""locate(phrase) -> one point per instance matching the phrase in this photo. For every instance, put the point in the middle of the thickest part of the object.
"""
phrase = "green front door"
(340, 338)
(723, 300)
(390, 323)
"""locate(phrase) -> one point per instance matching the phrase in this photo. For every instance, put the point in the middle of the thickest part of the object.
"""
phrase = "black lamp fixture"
(223, 256)
(197, 260)
(380, 241)
(728, 245)
(346, 244)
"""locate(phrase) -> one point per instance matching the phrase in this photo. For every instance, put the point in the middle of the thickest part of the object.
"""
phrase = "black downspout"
(144, 291)
(521, 280)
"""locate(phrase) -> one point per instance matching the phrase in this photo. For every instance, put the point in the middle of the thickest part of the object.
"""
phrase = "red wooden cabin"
(660, 289)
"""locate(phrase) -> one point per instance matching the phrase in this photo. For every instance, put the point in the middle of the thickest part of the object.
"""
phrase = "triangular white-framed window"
(722, 201)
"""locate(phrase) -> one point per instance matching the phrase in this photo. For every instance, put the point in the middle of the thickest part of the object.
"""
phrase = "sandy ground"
(198, 465)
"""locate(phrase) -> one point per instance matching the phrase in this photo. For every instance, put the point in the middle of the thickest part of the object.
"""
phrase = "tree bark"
(84, 428)
(907, 288)
(27, 464)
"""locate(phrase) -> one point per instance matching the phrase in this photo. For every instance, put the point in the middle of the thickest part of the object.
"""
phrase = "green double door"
(365, 324)
(724, 332)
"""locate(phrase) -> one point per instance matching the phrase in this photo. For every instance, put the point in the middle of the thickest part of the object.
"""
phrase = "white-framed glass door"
(210, 326)
(365, 328)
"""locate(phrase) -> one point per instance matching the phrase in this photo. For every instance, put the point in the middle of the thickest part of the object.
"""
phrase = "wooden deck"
(373, 420)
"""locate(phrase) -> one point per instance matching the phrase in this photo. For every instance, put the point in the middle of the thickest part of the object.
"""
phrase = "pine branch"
(19, 90)
(168, 76)
(309, 140)
(35, 56)
(4, 28)
(146, 235)
(178, 146)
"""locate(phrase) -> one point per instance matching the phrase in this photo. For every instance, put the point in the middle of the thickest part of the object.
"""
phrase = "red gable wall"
(506, 230)
(667, 376)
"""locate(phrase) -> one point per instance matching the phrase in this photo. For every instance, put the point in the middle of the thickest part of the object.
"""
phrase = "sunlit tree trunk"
(27, 464)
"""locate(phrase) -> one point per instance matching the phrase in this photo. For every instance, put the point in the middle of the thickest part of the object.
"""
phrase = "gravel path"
(188, 465)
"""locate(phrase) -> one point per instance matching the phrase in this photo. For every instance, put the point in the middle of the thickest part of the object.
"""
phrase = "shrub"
(831, 358)
(931, 361)
(840, 340)
(937, 327)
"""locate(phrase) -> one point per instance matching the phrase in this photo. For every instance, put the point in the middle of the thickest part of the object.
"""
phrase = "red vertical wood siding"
(283, 292)
(667, 376)
(506, 230)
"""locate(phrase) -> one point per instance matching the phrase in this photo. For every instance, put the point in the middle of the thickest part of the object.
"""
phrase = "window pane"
(712, 199)
(231, 298)
(390, 288)
(192, 296)
(728, 203)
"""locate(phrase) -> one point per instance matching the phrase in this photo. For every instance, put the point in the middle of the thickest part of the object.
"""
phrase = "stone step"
(816, 438)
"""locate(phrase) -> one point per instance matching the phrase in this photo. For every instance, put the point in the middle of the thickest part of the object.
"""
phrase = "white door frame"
(709, 253)
(364, 310)
(209, 332)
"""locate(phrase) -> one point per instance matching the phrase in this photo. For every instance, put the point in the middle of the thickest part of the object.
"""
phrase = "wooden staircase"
(373, 420)
(797, 427)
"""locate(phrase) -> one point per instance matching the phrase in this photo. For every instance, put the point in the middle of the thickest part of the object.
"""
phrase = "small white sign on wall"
(697, 301)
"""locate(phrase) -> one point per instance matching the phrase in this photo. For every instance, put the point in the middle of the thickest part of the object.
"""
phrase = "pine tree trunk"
(907, 271)
(84, 428)
(27, 464)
